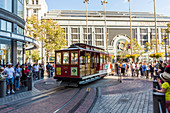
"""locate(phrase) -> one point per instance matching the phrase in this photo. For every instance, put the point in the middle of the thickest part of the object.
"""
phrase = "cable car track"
(33, 99)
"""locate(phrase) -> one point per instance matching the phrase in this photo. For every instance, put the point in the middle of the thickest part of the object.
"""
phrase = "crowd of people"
(142, 69)
(17, 75)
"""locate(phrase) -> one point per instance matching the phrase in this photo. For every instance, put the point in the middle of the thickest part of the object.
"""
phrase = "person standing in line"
(151, 70)
(36, 69)
(10, 78)
(48, 69)
(17, 76)
(123, 68)
(133, 69)
(144, 69)
(137, 69)
(156, 67)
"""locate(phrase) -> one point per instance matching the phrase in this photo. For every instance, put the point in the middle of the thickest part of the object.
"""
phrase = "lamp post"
(103, 2)
(87, 2)
(131, 44)
(164, 38)
(155, 28)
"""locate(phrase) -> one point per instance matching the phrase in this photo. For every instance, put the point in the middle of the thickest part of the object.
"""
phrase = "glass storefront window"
(19, 52)
(3, 25)
(74, 57)
(65, 58)
(6, 4)
(20, 8)
(5, 51)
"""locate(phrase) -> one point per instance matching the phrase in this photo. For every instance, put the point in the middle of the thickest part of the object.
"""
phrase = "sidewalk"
(39, 87)
(133, 95)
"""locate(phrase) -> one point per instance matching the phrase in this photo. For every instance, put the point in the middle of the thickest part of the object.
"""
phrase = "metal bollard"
(2, 88)
(29, 83)
(50, 73)
(39, 75)
(159, 105)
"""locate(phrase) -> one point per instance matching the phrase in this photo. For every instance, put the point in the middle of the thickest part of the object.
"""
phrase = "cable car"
(81, 63)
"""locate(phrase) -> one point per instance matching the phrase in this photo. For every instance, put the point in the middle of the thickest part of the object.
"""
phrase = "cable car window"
(97, 59)
(65, 58)
(74, 57)
(58, 58)
(101, 59)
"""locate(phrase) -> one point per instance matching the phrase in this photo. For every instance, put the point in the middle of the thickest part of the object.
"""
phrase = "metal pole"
(105, 26)
(87, 22)
(29, 56)
(42, 51)
(131, 44)
(155, 28)
(165, 50)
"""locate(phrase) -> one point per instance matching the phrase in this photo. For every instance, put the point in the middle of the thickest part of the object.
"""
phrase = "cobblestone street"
(131, 96)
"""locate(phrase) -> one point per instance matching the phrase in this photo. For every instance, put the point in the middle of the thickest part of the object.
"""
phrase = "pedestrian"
(140, 69)
(156, 67)
(48, 69)
(36, 69)
(137, 66)
(152, 70)
(123, 68)
(10, 78)
(133, 69)
(165, 88)
(144, 69)
(41, 69)
(17, 76)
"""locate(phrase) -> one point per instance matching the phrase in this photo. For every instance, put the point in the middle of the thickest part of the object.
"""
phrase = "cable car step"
(89, 80)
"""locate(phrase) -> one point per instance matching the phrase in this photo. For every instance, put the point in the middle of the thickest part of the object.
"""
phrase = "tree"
(35, 55)
(48, 32)
(151, 46)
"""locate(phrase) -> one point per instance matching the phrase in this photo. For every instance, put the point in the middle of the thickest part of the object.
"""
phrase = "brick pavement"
(131, 96)
(38, 88)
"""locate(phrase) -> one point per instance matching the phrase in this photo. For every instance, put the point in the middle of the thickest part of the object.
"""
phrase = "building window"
(3, 25)
(20, 30)
(32, 1)
(35, 10)
(20, 8)
(19, 52)
(75, 30)
(27, 1)
(99, 43)
(5, 48)
(9, 26)
(36, 1)
(6, 4)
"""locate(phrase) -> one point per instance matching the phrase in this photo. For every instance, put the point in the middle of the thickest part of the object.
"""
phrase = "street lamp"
(131, 44)
(164, 38)
(155, 28)
(103, 2)
(87, 2)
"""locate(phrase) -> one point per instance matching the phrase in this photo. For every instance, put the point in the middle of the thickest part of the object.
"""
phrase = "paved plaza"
(133, 95)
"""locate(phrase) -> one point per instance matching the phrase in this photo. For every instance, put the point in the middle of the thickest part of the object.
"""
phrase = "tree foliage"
(151, 46)
(48, 32)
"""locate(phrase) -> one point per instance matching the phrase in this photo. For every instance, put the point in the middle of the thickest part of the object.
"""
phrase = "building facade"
(118, 27)
(37, 8)
(13, 43)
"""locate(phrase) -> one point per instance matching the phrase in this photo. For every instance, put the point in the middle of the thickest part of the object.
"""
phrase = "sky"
(162, 6)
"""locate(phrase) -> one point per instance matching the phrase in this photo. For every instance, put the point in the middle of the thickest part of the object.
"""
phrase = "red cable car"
(81, 63)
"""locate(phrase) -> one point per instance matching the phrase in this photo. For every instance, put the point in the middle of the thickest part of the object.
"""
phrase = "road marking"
(88, 89)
